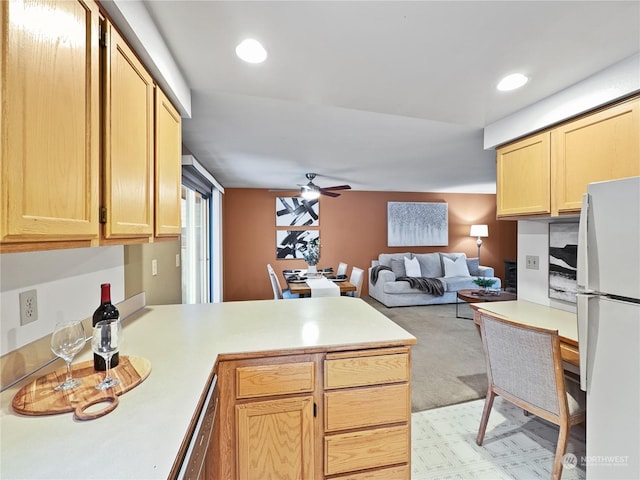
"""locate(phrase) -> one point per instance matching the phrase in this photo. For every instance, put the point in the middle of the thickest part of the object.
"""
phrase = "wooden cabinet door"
(168, 168)
(49, 91)
(275, 439)
(128, 153)
(523, 171)
(602, 146)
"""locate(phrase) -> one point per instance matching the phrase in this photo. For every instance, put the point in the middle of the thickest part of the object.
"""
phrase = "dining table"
(297, 284)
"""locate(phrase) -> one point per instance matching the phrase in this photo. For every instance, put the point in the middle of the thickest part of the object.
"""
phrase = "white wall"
(533, 285)
(67, 284)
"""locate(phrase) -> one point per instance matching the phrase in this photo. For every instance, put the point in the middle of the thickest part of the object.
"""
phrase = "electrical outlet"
(177, 259)
(28, 307)
(533, 262)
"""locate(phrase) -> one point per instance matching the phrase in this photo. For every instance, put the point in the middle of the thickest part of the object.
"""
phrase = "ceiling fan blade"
(328, 194)
(338, 187)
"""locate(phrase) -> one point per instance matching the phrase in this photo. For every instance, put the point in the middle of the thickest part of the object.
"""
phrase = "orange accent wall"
(353, 229)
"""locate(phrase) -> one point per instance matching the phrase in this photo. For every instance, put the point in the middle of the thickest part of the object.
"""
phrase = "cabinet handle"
(315, 409)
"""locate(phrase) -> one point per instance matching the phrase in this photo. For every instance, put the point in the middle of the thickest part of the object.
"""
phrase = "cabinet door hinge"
(103, 214)
(315, 409)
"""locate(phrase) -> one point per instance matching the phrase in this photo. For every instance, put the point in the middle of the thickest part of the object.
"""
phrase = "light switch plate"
(154, 267)
(533, 262)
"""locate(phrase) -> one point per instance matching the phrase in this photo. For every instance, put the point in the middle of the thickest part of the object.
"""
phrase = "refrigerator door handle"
(583, 246)
(582, 303)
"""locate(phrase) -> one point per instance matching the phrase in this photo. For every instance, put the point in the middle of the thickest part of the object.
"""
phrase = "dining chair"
(278, 293)
(356, 278)
(524, 366)
(342, 269)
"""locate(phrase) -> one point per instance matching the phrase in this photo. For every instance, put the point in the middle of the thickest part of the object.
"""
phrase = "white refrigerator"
(608, 306)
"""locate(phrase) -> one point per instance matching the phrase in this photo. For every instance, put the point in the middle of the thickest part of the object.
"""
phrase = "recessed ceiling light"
(511, 82)
(251, 51)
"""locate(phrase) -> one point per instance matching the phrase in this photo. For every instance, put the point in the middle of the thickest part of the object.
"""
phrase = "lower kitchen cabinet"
(275, 436)
(324, 415)
(367, 414)
(269, 419)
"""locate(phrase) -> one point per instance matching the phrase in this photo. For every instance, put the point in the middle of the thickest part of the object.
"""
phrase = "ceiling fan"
(311, 191)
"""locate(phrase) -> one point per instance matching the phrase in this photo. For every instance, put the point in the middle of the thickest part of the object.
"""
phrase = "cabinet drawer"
(368, 449)
(265, 380)
(366, 407)
(367, 370)
(402, 472)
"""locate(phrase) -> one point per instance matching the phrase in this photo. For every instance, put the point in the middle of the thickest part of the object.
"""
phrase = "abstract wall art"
(414, 224)
(563, 261)
(297, 212)
(291, 243)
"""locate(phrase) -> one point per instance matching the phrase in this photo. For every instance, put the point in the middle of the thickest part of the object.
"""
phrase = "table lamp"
(479, 231)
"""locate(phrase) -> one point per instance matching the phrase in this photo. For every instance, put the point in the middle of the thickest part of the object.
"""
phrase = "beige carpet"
(447, 364)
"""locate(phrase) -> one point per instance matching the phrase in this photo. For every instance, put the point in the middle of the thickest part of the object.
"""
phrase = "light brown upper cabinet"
(547, 174)
(523, 177)
(49, 88)
(168, 169)
(127, 179)
(601, 146)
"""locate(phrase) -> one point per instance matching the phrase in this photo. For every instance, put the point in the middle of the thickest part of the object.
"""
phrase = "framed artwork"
(563, 261)
(297, 212)
(291, 243)
(417, 224)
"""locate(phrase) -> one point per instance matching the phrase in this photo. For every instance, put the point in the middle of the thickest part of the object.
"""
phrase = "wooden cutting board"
(40, 398)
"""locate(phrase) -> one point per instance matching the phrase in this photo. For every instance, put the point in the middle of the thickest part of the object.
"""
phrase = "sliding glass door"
(201, 234)
(196, 246)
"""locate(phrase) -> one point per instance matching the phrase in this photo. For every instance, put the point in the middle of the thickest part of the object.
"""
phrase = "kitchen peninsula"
(345, 345)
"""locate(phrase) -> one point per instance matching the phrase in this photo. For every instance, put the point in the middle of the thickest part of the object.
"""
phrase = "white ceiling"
(383, 95)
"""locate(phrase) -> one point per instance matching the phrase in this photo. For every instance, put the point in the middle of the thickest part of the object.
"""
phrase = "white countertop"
(537, 315)
(141, 437)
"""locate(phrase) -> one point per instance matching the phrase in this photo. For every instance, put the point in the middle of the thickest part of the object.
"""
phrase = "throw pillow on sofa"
(474, 266)
(397, 267)
(412, 267)
(455, 268)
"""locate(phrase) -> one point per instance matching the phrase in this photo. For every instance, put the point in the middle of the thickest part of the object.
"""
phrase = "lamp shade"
(479, 231)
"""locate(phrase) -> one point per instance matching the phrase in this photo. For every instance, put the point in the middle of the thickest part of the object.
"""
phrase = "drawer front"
(366, 407)
(266, 380)
(371, 370)
(349, 452)
(402, 472)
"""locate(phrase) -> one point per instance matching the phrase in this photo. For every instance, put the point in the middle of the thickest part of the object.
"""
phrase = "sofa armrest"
(384, 276)
(485, 271)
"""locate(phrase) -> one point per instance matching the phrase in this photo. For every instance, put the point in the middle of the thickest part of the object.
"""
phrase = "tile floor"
(515, 446)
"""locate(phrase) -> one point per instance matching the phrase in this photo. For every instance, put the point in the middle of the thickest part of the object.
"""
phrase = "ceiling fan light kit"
(310, 191)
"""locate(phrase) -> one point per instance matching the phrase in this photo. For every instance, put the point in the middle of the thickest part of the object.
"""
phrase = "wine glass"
(66, 341)
(107, 335)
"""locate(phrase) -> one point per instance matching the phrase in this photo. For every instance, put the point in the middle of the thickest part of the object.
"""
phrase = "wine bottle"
(106, 311)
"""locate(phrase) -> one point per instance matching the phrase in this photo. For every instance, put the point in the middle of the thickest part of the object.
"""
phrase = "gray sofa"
(394, 293)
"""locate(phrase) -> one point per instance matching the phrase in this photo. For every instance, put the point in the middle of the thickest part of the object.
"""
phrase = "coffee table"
(478, 296)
